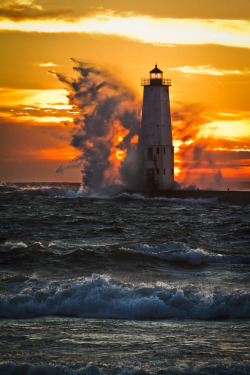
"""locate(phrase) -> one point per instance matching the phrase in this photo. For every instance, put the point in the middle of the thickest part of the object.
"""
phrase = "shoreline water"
(222, 196)
(227, 196)
(83, 276)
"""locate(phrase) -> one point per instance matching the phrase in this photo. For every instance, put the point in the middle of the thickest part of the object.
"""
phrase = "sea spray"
(104, 297)
(105, 127)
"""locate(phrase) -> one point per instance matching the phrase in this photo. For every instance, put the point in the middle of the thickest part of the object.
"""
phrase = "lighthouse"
(155, 139)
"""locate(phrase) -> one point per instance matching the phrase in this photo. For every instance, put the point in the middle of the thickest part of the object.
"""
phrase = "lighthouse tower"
(155, 140)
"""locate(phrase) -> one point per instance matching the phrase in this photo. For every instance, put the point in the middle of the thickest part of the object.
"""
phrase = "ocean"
(122, 284)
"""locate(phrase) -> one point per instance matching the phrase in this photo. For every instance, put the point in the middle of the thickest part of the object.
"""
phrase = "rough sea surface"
(100, 285)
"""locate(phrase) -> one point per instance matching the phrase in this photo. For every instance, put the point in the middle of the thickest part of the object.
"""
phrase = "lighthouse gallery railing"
(146, 82)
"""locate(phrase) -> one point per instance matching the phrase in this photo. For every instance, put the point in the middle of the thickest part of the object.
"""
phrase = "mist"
(105, 127)
(195, 159)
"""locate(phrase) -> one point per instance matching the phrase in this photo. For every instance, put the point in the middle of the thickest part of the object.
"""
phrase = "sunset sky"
(204, 47)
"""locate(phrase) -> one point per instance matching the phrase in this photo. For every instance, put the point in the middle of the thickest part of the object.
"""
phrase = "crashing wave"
(103, 297)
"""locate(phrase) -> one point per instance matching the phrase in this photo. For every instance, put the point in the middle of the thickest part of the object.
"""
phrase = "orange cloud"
(209, 70)
(10, 96)
(63, 154)
(18, 10)
(145, 29)
(47, 64)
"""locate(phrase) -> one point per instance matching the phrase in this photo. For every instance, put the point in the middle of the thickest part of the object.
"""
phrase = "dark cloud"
(18, 12)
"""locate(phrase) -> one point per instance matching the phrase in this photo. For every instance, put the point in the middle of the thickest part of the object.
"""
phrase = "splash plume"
(105, 128)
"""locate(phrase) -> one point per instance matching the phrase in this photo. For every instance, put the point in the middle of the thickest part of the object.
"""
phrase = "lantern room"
(156, 76)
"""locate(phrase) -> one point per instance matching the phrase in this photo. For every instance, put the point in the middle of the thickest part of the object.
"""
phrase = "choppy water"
(123, 284)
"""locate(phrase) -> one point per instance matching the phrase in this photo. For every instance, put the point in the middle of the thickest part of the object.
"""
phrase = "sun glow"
(235, 149)
(117, 155)
(177, 171)
(66, 153)
(134, 141)
(226, 129)
(47, 64)
(57, 106)
(45, 119)
(160, 31)
(39, 98)
(25, 117)
(120, 154)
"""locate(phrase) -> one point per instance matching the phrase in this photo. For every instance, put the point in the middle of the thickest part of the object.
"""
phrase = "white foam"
(103, 297)
(137, 196)
(181, 252)
(72, 194)
(65, 193)
(187, 200)
(10, 245)
(128, 196)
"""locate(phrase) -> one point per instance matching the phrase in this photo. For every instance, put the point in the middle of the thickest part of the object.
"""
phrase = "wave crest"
(103, 297)
(182, 253)
(71, 191)
(81, 251)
